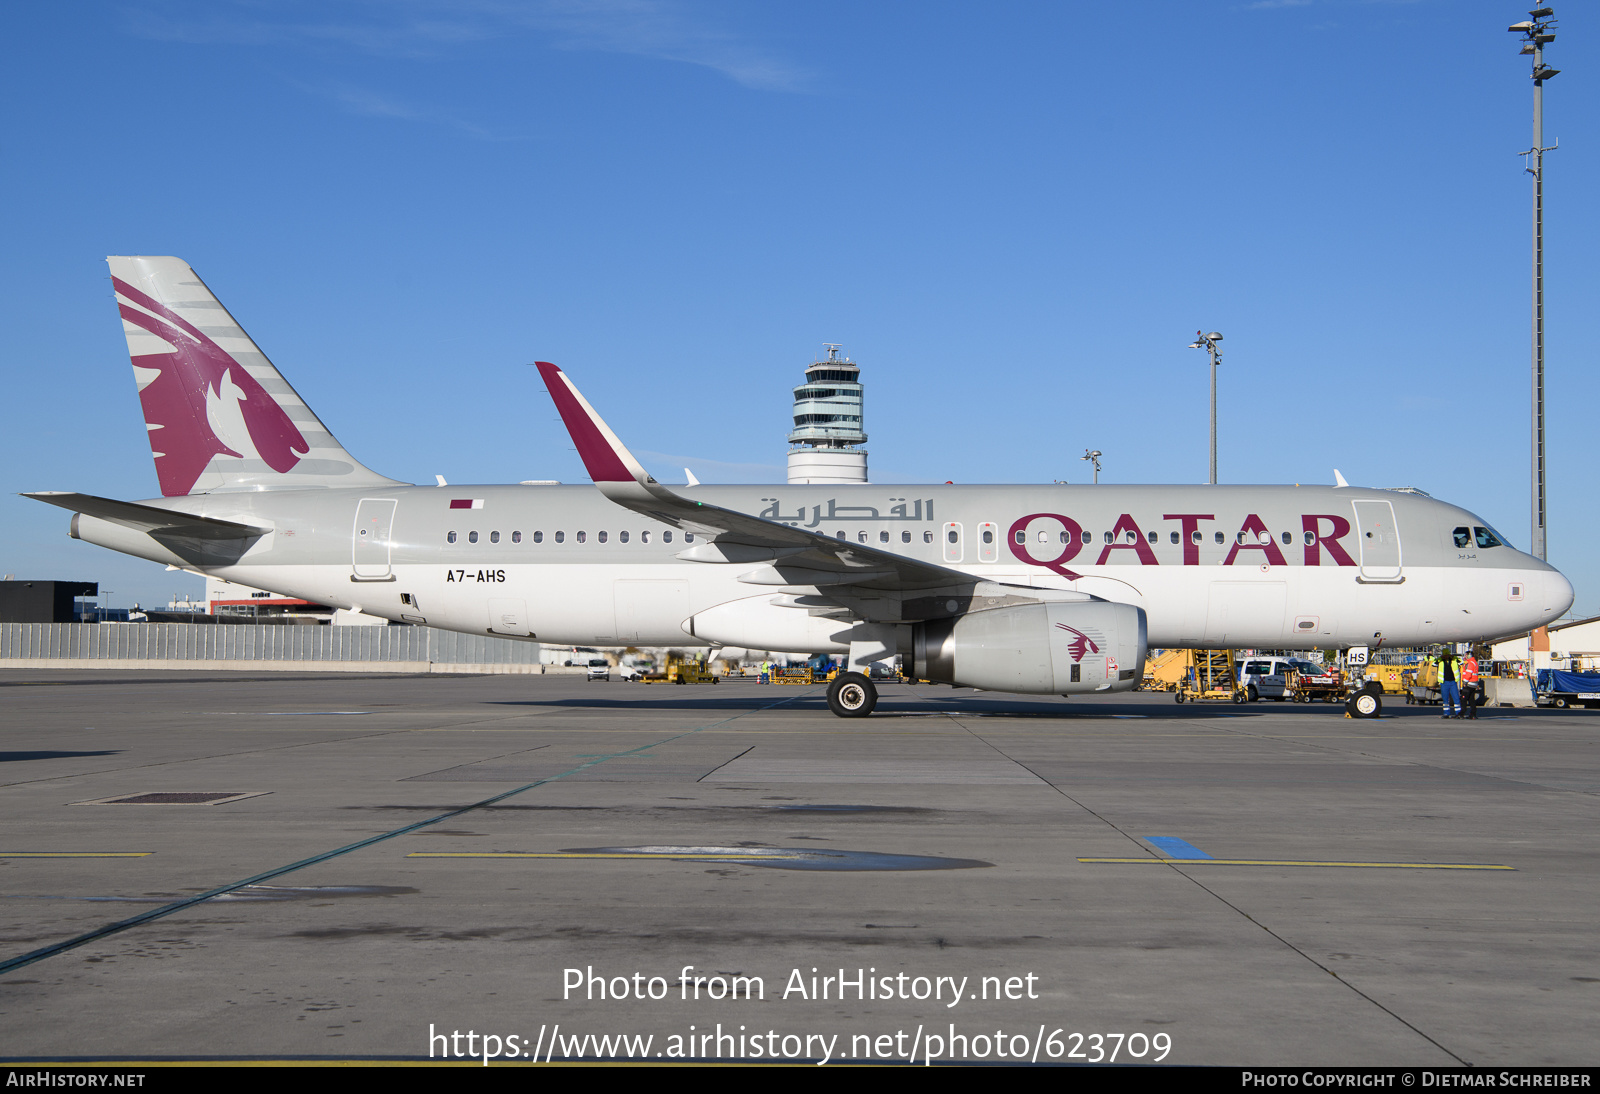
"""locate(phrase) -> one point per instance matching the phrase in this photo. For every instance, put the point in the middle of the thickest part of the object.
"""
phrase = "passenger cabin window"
(927, 537)
(644, 537)
(601, 536)
(883, 537)
(688, 537)
(1022, 537)
(1174, 537)
(1288, 537)
(666, 537)
(1155, 537)
(494, 537)
(1106, 536)
(1195, 538)
(449, 537)
(1088, 537)
(516, 537)
(538, 537)
(472, 537)
(1311, 538)
(988, 536)
(861, 537)
(905, 537)
(583, 537)
(1131, 536)
(561, 537)
(623, 536)
(1222, 538)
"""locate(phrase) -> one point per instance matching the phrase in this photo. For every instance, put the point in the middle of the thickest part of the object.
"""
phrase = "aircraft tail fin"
(219, 415)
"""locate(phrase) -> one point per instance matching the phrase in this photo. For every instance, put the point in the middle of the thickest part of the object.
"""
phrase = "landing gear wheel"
(1366, 704)
(852, 695)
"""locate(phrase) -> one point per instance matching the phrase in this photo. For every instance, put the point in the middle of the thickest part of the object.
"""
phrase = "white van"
(1268, 677)
(599, 669)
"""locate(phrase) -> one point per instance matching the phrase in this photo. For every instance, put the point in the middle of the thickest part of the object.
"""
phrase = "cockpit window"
(1486, 538)
(1463, 537)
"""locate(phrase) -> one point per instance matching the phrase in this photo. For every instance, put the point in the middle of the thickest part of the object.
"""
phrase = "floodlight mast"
(1535, 34)
(1208, 342)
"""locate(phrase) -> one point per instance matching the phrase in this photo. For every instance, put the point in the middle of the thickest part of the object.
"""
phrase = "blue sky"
(1013, 216)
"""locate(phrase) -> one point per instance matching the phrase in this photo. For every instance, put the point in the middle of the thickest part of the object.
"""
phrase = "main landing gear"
(852, 695)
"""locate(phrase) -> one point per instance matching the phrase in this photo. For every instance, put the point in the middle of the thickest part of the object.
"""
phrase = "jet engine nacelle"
(1046, 649)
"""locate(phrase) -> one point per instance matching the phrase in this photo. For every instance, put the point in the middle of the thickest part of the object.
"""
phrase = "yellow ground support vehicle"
(682, 672)
(1210, 676)
(794, 674)
(1396, 679)
(689, 672)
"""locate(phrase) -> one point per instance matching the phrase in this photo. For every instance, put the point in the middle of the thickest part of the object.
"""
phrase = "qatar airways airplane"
(1035, 589)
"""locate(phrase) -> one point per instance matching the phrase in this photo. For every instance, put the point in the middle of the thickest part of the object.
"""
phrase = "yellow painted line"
(1294, 862)
(76, 854)
(609, 854)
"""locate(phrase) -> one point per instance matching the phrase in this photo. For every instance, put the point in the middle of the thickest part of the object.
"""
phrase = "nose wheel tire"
(1366, 704)
(852, 695)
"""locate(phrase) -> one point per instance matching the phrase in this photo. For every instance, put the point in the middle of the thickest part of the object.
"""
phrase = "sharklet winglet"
(604, 455)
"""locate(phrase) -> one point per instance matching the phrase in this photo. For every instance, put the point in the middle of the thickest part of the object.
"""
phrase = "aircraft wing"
(787, 556)
(149, 518)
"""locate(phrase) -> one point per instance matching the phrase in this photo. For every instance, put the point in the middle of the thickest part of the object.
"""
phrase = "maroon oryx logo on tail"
(196, 387)
(1081, 646)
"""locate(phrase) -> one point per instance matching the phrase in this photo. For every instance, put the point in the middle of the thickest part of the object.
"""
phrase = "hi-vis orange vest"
(1469, 670)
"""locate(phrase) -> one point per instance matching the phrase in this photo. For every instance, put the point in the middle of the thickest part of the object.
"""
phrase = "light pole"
(1208, 342)
(1094, 458)
(1535, 33)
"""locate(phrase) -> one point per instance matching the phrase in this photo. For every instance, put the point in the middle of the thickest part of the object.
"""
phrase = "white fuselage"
(1296, 567)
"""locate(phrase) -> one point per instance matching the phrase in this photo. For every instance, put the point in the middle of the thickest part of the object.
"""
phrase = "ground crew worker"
(1469, 686)
(1449, 684)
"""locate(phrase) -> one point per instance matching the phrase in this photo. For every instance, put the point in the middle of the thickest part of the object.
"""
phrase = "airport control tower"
(828, 423)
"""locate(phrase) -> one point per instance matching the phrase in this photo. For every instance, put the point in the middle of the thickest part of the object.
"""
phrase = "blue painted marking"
(1175, 847)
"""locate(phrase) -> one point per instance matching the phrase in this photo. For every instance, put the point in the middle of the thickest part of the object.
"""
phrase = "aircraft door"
(648, 611)
(1379, 538)
(371, 540)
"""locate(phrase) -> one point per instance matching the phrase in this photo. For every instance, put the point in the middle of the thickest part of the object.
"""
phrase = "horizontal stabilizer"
(148, 518)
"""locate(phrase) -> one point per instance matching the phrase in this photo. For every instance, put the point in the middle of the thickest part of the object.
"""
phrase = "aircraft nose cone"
(1558, 595)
